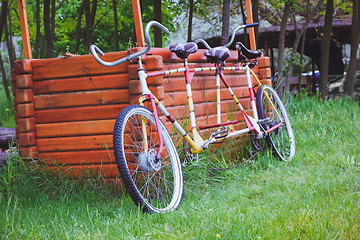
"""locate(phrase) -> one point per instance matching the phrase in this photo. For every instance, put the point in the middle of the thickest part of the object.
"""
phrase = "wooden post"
(24, 29)
(250, 20)
(138, 23)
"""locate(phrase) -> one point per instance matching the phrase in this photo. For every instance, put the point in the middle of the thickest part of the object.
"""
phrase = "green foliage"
(66, 21)
(316, 196)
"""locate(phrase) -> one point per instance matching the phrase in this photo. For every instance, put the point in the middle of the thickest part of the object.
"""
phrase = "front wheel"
(281, 139)
(156, 185)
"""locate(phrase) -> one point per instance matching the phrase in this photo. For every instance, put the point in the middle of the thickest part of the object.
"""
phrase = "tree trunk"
(37, 36)
(90, 11)
(301, 60)
(281, 44)
(4, 79)
(309, 15)
(355, 38)
(325, 49)
(79, 32)
(246, 36)
(191, 14)
(3, 22)
(116, 26)
(9, 42)
(47, 29)
(255, 12)
(225, 22)
(3, 14)
(158, 18)
(52, 19)
(88, 26)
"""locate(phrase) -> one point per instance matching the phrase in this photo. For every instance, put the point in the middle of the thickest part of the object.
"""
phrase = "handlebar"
(203, 42)
(237, 29)
(232, 37)
(95, 50)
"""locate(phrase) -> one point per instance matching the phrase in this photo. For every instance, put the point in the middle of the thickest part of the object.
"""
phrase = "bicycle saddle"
(217, 54)
(183, 50)
(246, 54)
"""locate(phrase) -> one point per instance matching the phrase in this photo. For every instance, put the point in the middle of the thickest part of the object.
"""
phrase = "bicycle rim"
(155, 186)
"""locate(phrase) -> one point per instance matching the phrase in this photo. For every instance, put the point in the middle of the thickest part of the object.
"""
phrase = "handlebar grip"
(251, 25)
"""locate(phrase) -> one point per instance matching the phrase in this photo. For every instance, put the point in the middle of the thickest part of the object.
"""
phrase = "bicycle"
(146, 156)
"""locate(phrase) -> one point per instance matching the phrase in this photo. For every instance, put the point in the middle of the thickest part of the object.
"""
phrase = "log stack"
(7, 138)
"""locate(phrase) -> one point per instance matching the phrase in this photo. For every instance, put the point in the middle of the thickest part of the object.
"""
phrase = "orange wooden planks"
(78, 157)
(82, 84)
(81, 99)
(77, 66)
(25, 110)
(97, 127)
(74, 143)
(79, 113)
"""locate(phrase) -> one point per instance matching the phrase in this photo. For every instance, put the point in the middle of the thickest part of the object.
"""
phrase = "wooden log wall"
(66, 107)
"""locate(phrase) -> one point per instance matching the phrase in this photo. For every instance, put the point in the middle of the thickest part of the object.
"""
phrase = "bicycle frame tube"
(266, 95)
(251, 92)
(197, 141)
(251, 122)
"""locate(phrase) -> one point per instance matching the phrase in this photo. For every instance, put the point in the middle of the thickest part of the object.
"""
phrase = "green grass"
(7, 118)
(316, 196)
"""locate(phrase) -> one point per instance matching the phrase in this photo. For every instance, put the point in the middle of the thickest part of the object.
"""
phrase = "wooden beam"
(250, 20)
(24, 29)
(138, 23)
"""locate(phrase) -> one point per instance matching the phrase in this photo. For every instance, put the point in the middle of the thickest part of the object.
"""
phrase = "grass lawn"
(316, 196)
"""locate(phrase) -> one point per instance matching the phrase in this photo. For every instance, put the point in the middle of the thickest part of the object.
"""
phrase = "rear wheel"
(156, 185)
(281, 139)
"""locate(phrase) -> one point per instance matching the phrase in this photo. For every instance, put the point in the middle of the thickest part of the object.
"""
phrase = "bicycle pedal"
(220, 132)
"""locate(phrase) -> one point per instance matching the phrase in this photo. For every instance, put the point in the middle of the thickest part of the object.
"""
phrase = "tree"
(158, 18)
(325, 49)
(225, 22)
(310, 12)
(116, 26)
(190, 22)
(355, 39)
(281, 44)
(3, 22)
(246, 41)
(80, 12)
(255, 13)
(38, 33)
(90, 12)
(9, 41)
(47, 29)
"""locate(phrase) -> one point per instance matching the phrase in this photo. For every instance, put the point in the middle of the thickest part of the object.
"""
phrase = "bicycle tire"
(153, 186)
(281, 140)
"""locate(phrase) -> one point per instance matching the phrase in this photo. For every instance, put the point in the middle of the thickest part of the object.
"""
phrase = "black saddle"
(217, 54)
(246, 54)
(183, 50)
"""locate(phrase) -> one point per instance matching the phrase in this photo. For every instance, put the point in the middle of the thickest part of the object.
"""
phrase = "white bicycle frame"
(198, 143)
